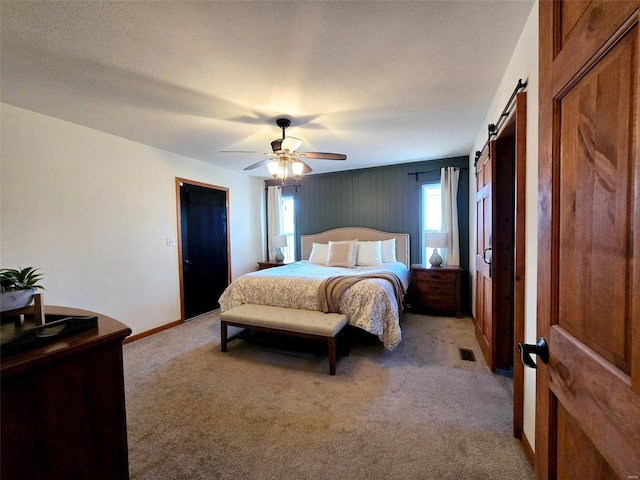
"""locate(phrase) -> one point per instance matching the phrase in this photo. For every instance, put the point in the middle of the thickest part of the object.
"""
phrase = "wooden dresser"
(63, 406)
(436, 290)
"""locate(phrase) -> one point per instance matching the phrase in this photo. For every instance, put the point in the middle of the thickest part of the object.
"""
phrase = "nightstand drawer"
(436, 276)
(423, 287)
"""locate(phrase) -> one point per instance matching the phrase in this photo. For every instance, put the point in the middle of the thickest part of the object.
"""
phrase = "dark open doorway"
(204, 246)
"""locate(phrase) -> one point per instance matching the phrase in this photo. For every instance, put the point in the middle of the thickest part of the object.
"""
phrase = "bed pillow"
(342, 254)
(319, 253)
(389, 250)
(369, 253)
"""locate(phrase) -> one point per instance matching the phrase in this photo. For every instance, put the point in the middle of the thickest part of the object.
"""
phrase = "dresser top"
(108, 330)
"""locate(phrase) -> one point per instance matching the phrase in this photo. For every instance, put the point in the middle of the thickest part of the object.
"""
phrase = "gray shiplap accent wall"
(385, 198)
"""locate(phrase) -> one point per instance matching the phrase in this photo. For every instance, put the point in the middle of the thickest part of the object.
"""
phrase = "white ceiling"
(381, 81)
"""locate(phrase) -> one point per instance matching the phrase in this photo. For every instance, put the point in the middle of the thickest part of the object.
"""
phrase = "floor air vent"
(466, 354)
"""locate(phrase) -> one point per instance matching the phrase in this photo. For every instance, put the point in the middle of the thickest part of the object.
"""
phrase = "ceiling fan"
(285, 156)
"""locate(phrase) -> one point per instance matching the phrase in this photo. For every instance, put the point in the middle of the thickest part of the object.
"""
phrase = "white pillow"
(319, 253)
(342, 254)
(389, 250)
(369, 253)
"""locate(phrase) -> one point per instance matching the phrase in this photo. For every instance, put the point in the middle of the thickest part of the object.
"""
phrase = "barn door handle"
(527, 349)
(484, 255)
(488, 262)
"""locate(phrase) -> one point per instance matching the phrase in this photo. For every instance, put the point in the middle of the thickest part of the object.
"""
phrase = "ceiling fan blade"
(259, 164)
(323, 156)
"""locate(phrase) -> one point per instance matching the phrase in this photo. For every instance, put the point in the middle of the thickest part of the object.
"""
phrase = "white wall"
(523, 65)
(94, 211)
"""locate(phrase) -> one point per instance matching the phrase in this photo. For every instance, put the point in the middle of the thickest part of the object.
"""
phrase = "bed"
(372, 304)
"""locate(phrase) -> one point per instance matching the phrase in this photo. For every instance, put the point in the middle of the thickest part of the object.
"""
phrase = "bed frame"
(357, 233)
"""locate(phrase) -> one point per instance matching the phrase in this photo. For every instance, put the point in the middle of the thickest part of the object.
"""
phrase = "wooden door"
(203, 247)
(484, 292)
(588, 395)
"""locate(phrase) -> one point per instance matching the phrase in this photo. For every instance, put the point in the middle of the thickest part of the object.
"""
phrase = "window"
(431, 211)
(288, 228)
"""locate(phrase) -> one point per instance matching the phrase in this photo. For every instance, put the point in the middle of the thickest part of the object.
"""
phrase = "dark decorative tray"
(55, 328)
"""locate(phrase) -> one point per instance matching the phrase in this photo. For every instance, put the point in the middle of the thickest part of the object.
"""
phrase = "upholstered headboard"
(357, 233)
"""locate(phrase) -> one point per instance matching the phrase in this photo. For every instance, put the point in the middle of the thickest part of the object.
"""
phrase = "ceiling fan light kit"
(280, 167)
(285, 162)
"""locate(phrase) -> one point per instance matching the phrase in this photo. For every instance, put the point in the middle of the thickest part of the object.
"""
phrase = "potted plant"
(17, 287)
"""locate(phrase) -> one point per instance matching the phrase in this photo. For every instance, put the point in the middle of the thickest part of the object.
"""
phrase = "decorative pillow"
(369, 253)
(342, 254)
(389, 250)
(319, 253)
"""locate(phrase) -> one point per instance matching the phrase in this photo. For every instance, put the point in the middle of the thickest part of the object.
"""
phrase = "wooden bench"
(285, 321)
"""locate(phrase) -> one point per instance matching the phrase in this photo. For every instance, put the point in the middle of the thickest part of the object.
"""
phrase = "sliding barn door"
(588, 395)
(484, 292)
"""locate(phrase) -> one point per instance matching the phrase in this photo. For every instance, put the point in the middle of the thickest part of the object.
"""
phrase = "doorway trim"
(513, 126)
(180, 181)
(519, 116)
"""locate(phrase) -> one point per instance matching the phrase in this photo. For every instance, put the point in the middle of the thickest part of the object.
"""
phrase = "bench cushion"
(287, 319)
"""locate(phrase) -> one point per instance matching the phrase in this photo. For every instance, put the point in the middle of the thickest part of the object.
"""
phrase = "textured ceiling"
(381, 81)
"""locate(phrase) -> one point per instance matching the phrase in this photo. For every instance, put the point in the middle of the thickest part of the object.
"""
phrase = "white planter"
(16, 299)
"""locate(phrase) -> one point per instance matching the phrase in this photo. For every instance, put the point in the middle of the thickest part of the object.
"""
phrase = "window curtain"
(274, 198)
(449, 179)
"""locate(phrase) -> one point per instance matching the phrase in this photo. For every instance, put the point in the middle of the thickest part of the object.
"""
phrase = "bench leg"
(332, 355)
(223, 336)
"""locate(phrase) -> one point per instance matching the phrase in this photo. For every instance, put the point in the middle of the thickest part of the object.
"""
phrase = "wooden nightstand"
(270, 264)
(436, 289)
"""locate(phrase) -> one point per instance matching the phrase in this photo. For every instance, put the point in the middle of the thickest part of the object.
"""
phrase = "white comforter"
(370, 304)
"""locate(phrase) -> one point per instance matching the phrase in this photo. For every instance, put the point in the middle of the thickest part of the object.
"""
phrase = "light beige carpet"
(259, 412)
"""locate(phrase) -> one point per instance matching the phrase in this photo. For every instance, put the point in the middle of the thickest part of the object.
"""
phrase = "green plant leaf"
(20, 279)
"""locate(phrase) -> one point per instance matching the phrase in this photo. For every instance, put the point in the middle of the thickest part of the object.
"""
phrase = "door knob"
(527, 349)
(188, 262)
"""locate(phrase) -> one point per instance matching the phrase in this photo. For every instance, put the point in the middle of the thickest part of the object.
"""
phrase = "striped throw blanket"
(331, 289)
